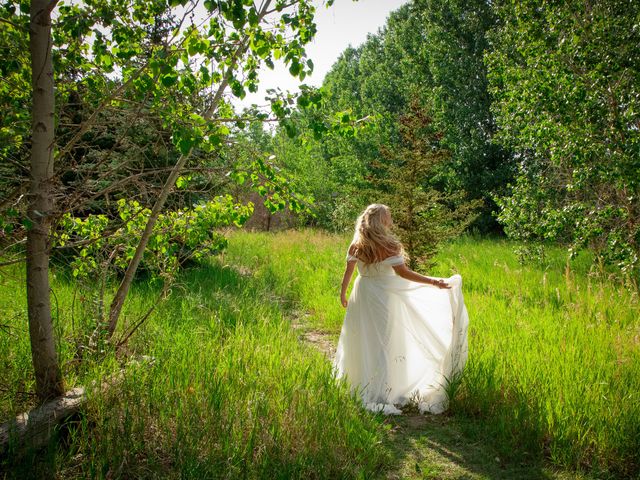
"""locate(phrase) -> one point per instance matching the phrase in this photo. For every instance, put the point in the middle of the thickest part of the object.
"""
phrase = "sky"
(343, 24)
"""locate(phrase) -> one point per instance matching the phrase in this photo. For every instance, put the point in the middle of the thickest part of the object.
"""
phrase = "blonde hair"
(372, 240)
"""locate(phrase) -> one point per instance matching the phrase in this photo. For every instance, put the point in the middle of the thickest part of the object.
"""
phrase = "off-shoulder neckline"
(381, 261)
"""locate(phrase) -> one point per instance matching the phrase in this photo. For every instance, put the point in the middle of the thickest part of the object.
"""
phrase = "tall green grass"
(304, 267)
(231, 393)
(554, 359)
(16, 371)
(553, 368)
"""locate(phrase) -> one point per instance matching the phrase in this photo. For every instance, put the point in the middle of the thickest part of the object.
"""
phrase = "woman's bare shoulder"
(394, 252)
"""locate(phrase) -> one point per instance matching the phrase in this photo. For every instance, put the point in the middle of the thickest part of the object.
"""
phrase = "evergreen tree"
(424, 217)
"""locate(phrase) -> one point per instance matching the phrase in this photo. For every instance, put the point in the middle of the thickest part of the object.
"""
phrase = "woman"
(402, 340)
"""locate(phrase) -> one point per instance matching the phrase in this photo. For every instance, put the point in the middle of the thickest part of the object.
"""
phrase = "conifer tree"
(424, 217)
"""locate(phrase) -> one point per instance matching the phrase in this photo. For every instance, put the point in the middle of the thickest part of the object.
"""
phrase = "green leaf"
(184, 145)
(181, 182)
(290, 129)
(294, 69)
(239, 177)
(169, 79)
(237, 89)
(27, 223)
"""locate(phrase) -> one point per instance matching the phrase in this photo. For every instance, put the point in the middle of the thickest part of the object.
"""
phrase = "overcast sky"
(345, 23)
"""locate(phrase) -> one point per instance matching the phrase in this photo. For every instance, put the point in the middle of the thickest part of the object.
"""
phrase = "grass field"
(554, 359)
(551, 385)
(232, 393)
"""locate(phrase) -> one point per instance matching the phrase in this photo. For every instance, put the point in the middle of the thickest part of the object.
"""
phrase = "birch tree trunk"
(45, 362)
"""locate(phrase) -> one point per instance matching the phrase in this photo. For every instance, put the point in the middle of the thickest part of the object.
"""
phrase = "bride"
(402, 340)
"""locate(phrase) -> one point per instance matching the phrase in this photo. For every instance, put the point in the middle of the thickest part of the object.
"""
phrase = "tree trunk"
(35, 428)
(118, 299)
(45, 362)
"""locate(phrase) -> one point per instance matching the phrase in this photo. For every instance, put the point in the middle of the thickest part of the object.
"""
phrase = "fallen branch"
(34, 429)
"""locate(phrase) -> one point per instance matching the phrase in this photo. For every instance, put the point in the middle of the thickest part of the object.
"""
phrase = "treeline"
(534, 107)
(527, 113)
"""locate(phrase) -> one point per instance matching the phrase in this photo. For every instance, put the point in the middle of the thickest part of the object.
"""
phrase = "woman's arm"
(406, 272)
(346, 278)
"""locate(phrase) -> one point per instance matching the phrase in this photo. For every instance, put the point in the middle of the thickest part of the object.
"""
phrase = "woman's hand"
(440, 284)
(343, 300)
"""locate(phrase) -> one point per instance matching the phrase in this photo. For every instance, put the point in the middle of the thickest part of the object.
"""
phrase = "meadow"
(550, 388)
(554, 354)
(230, 392)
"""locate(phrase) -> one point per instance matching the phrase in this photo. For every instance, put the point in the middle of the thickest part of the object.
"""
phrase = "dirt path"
(317, 338)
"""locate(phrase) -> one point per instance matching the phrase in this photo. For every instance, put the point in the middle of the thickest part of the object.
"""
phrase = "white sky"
(345, 23)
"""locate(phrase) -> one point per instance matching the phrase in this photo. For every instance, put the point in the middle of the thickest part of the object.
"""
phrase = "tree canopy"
(537, 104)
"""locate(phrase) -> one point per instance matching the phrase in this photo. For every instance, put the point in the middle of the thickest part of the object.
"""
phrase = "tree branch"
(19, 27)
(123, 289)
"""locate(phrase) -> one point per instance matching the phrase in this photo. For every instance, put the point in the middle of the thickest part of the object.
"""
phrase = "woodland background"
(127, 169)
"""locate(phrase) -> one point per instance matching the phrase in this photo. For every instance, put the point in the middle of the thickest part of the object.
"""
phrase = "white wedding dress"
(401, 341)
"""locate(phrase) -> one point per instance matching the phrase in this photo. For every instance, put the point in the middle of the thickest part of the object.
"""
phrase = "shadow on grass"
(207, 289)
(441, 446)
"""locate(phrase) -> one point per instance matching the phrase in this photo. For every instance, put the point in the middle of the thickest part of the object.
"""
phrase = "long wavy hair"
(372, 240)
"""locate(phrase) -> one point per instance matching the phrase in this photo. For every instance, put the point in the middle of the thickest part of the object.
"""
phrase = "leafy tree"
(434, 52)
(452, 56)
(334, 180)
(565, 79)
(170, 64)
(343, 164)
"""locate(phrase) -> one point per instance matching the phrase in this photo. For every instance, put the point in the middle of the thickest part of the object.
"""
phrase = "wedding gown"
(401, 341)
